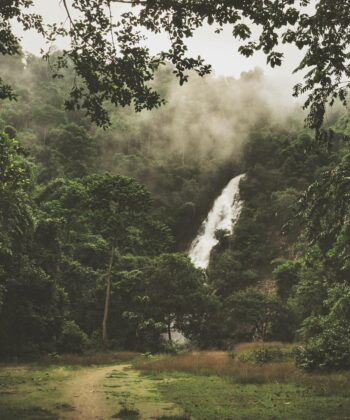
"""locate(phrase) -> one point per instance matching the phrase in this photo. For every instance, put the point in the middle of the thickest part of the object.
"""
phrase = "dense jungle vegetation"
(81, 207)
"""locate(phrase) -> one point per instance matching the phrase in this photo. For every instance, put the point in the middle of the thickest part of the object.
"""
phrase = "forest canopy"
(113, 63)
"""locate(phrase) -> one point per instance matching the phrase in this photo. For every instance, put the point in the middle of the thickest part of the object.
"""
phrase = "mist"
(213, 117)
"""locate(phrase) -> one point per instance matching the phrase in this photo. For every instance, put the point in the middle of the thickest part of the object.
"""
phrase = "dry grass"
(190, 362)
(219, 363)
(93, 358)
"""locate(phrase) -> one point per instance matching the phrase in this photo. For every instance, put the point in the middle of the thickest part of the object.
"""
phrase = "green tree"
(253, 312)
(68, 151)
(324, 214)
(16, 218)
(118, 207)
(99, 219)
(327, 336)
(32, 303)
(176, 291)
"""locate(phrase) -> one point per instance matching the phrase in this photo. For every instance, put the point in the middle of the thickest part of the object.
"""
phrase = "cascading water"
(222, 216)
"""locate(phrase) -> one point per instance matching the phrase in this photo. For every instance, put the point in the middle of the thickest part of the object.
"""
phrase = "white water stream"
(222, 216)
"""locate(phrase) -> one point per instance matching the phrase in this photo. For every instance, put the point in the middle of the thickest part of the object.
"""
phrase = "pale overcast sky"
(218, 50)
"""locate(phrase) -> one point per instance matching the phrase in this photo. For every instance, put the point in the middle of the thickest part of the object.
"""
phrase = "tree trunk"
(169, 332)
(107, 299)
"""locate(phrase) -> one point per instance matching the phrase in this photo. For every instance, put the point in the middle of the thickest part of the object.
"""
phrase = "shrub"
(261, 353)
(327, 336)
(73, 339)
(329, 349)
(268, 355)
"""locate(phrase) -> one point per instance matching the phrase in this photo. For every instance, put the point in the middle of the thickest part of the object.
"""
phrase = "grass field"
(199, 385)
(212, 397)
(215, 385)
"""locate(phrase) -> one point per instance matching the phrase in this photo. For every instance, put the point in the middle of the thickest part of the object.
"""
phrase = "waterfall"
(222, 216)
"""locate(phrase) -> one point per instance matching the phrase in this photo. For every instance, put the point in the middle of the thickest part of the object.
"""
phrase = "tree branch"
(68, 13)
(111, 23)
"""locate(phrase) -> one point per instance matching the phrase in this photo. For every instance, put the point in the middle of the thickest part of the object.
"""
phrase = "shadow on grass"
(29, 413)
(127, 414)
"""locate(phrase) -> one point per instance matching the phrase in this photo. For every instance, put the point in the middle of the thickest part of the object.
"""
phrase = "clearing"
(196, 386)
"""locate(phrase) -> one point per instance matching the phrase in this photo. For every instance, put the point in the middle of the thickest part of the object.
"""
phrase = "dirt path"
(103, 393)
(87, 396)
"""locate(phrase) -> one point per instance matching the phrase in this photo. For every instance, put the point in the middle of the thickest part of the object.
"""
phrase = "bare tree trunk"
(107, 299)
(169, 332)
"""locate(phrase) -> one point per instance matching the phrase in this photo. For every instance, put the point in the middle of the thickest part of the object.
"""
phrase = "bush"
(327, 337)
(330, 349)
(261, 353)
(73, 339)
(268, 355)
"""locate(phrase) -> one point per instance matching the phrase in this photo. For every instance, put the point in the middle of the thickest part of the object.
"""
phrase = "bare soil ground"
(86, 392)
(102, 393)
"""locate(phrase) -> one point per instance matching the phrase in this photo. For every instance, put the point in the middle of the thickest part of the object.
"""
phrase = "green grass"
(212, 397)
(215, 385)
(138, 396)
(32, 392)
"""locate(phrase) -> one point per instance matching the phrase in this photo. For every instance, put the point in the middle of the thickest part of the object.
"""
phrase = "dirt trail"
(87, 396)
(100, 393)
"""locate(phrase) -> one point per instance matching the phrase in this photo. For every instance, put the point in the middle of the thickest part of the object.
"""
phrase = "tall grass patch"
(221, 364)
(242, 367)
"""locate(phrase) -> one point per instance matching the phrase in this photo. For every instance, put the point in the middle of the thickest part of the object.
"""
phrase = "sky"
(218, 50)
